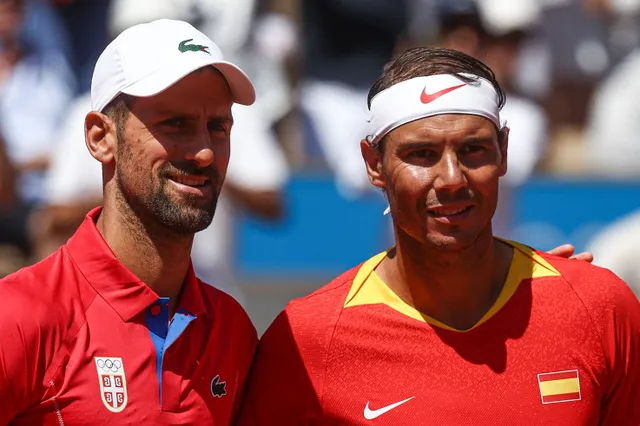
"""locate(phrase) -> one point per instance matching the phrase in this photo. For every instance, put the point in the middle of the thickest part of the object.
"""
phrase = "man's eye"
(474, 148)
(175, 122)
(217, 127)
(423, 153)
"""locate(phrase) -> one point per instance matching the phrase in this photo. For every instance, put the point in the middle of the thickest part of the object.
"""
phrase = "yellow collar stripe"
(369, 289)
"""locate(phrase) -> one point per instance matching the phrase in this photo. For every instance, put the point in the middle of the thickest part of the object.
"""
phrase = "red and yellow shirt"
(560, 346)
(84, 341)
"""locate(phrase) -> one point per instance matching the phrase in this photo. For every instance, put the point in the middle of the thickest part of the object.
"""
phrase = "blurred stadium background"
(298, 209)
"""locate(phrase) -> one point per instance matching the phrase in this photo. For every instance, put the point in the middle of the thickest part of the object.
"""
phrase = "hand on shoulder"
(568, 252)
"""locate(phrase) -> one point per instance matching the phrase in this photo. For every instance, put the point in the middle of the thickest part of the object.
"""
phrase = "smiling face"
(173, 152)
(441, 176)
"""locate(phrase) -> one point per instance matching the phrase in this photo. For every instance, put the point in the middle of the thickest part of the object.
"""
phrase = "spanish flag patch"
(559, 386)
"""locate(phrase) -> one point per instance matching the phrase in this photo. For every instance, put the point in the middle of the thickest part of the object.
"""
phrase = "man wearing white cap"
(115, 328)
(451, 326)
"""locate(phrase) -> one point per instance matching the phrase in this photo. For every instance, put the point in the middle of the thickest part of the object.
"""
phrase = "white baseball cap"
(148, 58)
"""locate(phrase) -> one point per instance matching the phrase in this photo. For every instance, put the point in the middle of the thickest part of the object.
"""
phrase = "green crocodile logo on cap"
(184, 47)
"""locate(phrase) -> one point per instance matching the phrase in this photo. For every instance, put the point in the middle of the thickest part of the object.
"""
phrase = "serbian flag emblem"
(559, 386)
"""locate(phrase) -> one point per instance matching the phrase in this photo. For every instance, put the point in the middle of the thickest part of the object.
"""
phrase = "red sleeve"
(280, 390)
(14, 371)
(621, 339)
(615, 315)
(21, 366)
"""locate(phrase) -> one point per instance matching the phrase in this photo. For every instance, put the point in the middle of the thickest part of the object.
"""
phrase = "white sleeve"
(73, 174)
(257, 161)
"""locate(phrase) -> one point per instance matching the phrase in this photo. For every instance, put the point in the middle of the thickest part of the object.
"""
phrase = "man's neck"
(161, 260)
(455, 288)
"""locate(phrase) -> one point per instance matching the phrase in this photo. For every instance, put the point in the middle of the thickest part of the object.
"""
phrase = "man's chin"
(452, 243)
(189, 226)
(188, 220)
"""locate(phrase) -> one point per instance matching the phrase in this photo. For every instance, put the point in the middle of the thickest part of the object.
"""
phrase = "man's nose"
(449, 173)
(200, 150)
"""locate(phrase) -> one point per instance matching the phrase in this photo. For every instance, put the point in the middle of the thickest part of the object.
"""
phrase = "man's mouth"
(193, 181)
(450, 214)
(443, 211)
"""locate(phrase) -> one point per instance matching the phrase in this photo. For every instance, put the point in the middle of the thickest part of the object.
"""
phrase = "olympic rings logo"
(109, 365)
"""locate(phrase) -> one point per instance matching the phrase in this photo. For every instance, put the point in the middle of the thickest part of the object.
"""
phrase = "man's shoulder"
(34, 284)
(216, 298)
(224, 307)
(310, 320)
(597, 288)
(305, 328)
(328, 298)
(577, 271)
(40, 302)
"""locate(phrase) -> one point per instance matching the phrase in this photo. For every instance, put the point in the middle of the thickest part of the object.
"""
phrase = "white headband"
(422, 97)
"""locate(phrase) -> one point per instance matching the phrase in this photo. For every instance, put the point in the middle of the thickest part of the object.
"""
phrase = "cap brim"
(241, 87)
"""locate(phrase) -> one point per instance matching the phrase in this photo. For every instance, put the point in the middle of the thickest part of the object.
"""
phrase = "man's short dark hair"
(424, 61)
(118, 111)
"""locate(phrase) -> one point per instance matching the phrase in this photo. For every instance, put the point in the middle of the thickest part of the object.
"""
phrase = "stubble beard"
(184, 218)
(157, 210)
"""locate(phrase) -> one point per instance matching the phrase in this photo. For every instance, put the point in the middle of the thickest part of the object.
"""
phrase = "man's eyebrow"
(477, 139)
(415, 144)
(172, 113)
(169, 111)
(223, 119)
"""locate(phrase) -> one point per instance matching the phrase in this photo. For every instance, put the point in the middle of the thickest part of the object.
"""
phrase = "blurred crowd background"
(297, 208)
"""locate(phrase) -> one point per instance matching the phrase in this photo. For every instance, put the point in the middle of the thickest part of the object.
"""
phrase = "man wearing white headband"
(115, 328)
(451, 326)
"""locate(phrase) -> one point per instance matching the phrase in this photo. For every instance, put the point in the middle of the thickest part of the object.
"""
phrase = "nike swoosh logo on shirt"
(427, 98)
(370, 414)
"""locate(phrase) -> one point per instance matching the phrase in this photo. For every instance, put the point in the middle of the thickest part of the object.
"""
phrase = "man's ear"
(101, 136)
(373, 161)
(503, 143)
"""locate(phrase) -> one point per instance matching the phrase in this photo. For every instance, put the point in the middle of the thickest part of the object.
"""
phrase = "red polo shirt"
(83, 340)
